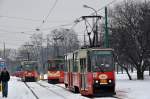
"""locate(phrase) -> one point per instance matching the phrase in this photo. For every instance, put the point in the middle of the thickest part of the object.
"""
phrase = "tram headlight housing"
(96, 81)
(109, 81)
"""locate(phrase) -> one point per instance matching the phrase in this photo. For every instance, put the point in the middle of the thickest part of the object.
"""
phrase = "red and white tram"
(29, 70)
(56, 70)
(90, 71)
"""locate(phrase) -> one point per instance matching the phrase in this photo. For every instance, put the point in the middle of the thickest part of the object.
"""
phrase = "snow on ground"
(64, 92)
(125, 89)
(41, 92)
(134, 89)
(17, 90)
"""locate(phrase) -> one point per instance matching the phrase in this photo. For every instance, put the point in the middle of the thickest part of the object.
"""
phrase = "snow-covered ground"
(135, 89)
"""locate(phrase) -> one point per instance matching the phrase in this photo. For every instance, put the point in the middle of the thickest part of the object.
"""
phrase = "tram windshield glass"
(29, 66)
(102, 61)
(55, 65)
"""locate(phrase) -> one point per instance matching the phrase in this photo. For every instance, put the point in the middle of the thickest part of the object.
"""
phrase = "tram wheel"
(66, 85)
(76, 89)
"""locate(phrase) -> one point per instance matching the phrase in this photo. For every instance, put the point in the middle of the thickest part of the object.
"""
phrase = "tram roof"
(88, 49)
(83, 51)
(55, 59)
(102, 49)
(29, 61)
(25, 62)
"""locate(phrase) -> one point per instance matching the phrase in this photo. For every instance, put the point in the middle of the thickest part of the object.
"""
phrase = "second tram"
(56, 70)
(30, 70)
(90, 71)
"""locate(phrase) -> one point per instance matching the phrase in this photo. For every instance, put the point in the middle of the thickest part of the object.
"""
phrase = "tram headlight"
(109, 81)
(96, 81)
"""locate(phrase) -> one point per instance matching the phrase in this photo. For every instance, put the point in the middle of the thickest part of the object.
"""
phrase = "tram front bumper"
(30, 79)
(104, 89)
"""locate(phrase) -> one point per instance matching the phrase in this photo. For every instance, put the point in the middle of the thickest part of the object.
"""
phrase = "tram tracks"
(114, 96)
(57, 94)
(31, 90)
(47, 87)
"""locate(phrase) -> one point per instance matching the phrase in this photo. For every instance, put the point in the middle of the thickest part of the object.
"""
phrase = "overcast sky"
(18, 16)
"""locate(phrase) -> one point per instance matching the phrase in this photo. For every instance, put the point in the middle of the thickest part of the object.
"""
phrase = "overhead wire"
(20, 18)
(45, 20)
(104, 6)
(50, 11)
(16, 27)
(96, 11)
(72, 24)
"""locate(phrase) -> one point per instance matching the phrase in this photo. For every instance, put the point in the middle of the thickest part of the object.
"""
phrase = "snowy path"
(17, 90)
(69, 95)
(125, 89)
(42, 92)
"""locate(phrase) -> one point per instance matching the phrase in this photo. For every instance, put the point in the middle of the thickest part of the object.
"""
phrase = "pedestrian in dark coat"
(4, 77)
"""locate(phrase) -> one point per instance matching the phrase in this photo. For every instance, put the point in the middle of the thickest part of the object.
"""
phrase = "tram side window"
(89, 64)
(61, 66)
(75, 64)
(83, 64)
(65, 65)
(49, 66)
(71, 65)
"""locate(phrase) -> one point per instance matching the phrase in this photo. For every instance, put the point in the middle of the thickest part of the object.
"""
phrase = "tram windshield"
(55, 65)
(102, 62)
(29, 67)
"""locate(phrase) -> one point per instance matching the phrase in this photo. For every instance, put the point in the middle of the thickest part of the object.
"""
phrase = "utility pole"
(106, 41)
(84, 40)
(28, 52)
(56, 49)
(4, 55)
(28, 55)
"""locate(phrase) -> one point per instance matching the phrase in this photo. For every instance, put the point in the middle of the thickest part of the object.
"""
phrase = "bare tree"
(130, 34)
(63, 41)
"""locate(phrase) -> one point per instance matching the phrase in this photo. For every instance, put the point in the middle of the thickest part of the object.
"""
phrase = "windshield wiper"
(99, 67)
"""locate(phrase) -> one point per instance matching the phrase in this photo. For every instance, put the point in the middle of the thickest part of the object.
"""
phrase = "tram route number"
(103, 81)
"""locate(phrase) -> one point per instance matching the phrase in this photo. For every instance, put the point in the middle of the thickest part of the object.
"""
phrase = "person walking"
(4, 77)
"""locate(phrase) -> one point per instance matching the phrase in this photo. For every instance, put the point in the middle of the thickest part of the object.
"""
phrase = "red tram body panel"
(90, 71)
(55, 71)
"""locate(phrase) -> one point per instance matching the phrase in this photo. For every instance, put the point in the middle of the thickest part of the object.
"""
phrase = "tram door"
(83, 68)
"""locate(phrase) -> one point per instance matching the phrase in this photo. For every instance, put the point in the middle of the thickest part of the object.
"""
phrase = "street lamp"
(86, 6)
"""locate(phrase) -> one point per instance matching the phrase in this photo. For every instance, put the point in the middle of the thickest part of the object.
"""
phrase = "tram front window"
(29, 67)
(55, 66)
(101, 63)
(52, 66)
